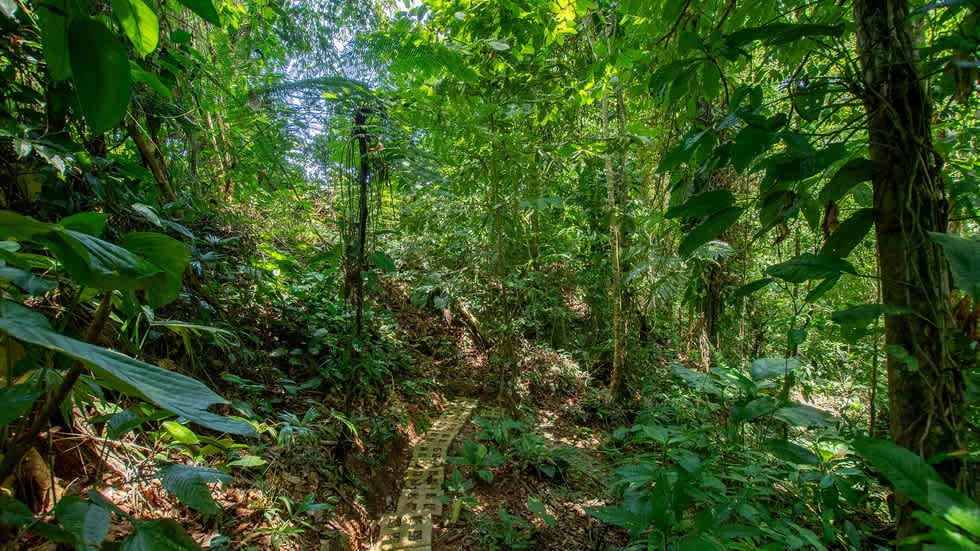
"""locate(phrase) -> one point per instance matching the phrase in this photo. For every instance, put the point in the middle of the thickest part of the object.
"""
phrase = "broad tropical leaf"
(190, 485)
(169, 390)
(100, 70)
(809, 266)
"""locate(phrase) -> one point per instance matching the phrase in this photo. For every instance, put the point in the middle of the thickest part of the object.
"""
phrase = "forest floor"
(329, 484)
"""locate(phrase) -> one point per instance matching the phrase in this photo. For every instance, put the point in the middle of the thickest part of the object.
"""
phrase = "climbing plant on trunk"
(925, 370)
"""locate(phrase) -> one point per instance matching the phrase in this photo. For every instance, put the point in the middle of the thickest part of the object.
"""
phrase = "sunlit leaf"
(140, 23)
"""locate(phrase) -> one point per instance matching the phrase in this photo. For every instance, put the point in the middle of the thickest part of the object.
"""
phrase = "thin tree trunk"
(926, 404)
(148, 152)
(617, 386)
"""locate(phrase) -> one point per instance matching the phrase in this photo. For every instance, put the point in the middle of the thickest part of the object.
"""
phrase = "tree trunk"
(926, 404)
(617, 384)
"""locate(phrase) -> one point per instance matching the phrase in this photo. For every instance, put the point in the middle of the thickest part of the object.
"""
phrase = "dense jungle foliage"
(711, 268)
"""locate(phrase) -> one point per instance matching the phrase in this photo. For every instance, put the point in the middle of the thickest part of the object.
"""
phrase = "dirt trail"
(409, 528)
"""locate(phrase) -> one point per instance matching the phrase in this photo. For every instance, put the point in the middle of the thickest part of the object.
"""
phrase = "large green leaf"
(99, 264)
(169, 390)
(781, 33)
(753, 409)
(167, 254)
(54, 31)
(20, 227)
(751, 287)
(702, 204)
(190, 485)
(908, 472)
(851, 174)
(204, 9)
(710, 229)
(17, 400)
(16, 513)
(85, 520)
(809, 266)
(954, 506)
(849, 234)
(809, 100)
(617, 516)
(791, 453)
(964, 261)
(92, 223)
(802, 415)
(751, 142)
(698, 381)
(140, 23)
(822, 289)
(160, 535)
(100, 70)
(28, 282)
(767, 368)
(699, 542)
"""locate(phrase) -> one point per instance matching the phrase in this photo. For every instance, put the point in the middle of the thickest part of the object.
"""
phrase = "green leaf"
(953, 506)
(170, 256)
(768, 368)
(160, 535)
(204, 9)
(908, 472)
(383, 262)
(190, 485)
(99, 264)
(809, 266)
(808, 101)
(85, 520)
(901, 354)
(499, 45)
(751, 287)
(26, 281)
(964, 261)
(149, 80)
(683, 152)
(753, 409)
(702, 204)
(20, 227)
(100, 70)
(851, 174)
(54, 31)
(751, 142)
(17, 401)
(822, 289)
(92, 223)
(617, 516)
(697, 381)
(16, 513)
(698, 542)
(169, 390)
(791, 453)
(140, 23)
(864, 314)
(180, 433)
(710, 229)
(781, 33)
(802, 415)
(849, 234)
(247, 461)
